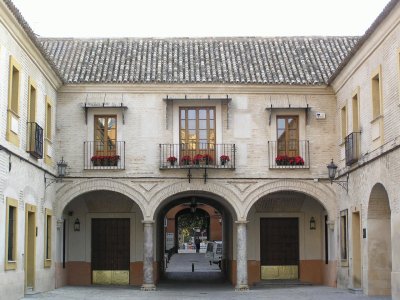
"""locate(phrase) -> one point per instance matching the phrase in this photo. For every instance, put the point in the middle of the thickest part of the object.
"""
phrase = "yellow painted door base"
(280, 272)
(109, 277)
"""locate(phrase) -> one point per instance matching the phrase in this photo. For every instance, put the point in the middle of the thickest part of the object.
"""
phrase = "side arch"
(218, 192)
(70, 191)
(327, 199)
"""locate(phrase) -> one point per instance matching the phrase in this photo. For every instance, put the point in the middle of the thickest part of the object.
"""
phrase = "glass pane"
(192, 134)
(292, 123)
(183, 124)
(203, 134)
(211, 112)
(192, 114)
(183, 114)
(281, 134)
(101, 122)
(292, 145)
(192, 124)
(281, 146)
(203, 124)
(211, 136)
(203, 144)
(202, 114)
(211, 124)
(183, 135)
(281, 123)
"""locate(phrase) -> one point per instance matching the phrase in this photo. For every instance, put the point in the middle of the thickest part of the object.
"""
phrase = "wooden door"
(197, 132)
(110, 251)
(30, 246)
(279, 240)
(288, 135)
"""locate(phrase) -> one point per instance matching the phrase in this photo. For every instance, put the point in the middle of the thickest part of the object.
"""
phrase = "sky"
(205, 18)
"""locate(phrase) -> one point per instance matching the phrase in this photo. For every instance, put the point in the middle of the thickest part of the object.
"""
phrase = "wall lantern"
(332, 173)
(312, 224)
(77, 225)
(61, 170)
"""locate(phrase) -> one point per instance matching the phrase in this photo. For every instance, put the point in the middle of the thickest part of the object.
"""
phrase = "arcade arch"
(379, 242)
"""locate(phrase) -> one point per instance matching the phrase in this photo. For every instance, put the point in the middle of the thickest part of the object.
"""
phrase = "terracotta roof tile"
(252, 60)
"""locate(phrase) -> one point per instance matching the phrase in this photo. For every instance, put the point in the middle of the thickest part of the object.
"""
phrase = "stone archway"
(102, 223)
(72, 190)
(379, 242)
(317, 191)
(205, 197)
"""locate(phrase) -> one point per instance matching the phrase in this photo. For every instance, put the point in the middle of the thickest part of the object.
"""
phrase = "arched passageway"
(379, 242)
(212, 219)
(102, 240)
(291, 239)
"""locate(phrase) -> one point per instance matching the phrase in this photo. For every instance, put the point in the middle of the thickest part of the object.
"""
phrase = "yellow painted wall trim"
(29, 208)
(11, 264)
(48, 229)
(13, 112)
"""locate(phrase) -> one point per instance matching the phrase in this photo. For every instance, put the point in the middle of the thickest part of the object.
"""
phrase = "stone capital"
(241, 222)
(148, 222)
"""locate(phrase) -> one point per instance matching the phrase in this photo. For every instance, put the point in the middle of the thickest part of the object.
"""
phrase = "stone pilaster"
(241, 260)
(148, 259)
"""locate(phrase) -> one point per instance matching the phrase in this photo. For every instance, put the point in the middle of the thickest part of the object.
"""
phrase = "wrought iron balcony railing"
(289, 155)
(104, 155)
(197, 155)
(352, 148)
(35, 140)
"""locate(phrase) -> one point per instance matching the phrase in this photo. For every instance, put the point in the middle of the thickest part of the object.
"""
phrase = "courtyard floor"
(206, 282)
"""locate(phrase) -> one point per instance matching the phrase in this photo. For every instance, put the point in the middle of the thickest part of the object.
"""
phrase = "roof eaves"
(31, 34)
(382, 16)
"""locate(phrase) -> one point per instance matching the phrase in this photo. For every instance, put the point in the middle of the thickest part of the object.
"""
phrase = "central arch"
(227, 216)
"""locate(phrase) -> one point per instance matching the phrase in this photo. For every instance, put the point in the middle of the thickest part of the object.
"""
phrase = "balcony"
(197, 155)
(35, 140)
(99, 155)
(352, 148)
(293, 155)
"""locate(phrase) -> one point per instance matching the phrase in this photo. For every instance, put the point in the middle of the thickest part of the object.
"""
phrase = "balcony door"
(288, 135)
(197, 131)
(105, 136)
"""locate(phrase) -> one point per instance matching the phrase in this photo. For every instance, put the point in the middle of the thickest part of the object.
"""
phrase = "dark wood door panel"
(110, 244)
(279, 240)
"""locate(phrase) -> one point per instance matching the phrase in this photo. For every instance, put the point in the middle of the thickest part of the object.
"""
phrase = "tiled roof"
(252, 60)
(382, 16)
(32, 36)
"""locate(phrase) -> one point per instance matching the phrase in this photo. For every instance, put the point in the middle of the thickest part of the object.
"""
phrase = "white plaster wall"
(378, 163)
(24, 182)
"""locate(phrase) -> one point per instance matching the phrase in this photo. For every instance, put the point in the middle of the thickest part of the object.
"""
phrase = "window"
(13, 103)
(105, 135)
(48, 120)
(48, 131)
(47, 239)
(376, 94)
(288, 135)
(32, 101)
(343, 117)
(34, 131)
(356, 109)
(197, 131)
(11, 234)
(343, 237)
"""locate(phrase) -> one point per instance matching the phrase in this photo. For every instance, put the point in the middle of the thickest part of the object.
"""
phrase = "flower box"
(105, 160)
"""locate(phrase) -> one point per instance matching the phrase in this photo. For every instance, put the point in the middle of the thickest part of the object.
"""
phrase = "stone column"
(241, 257)
(148, 258)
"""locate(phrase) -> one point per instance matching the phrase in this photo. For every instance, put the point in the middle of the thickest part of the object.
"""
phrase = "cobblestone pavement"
(206, 282)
